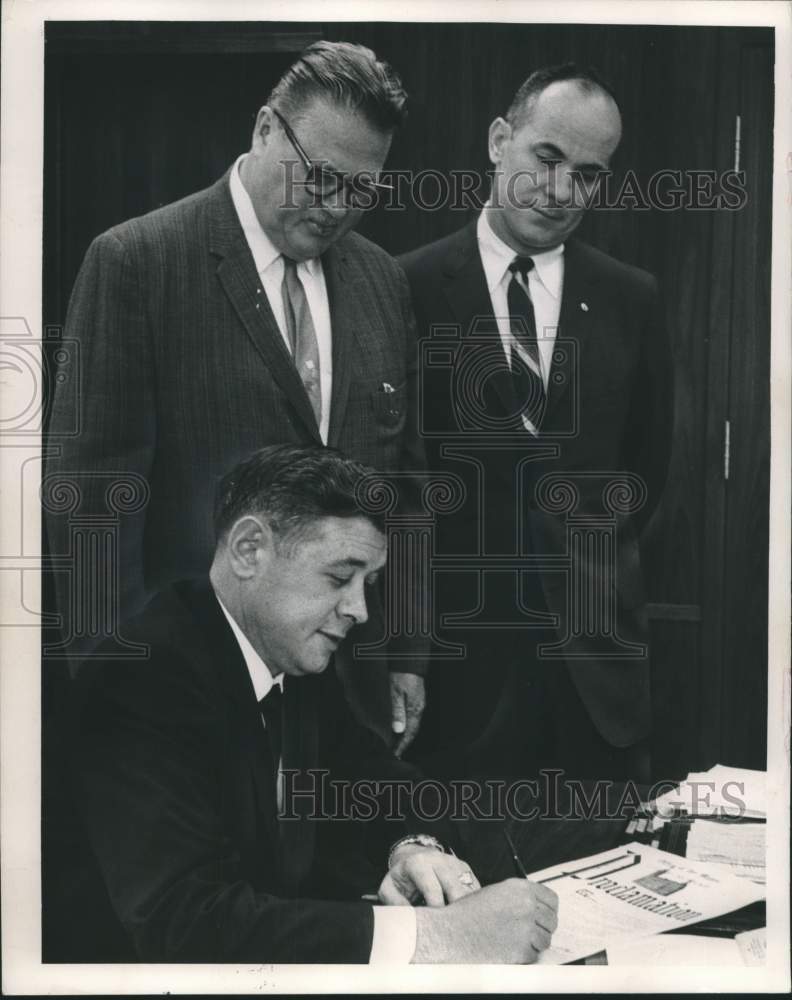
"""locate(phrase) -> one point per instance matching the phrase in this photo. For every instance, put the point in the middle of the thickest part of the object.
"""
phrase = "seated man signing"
(186, 763)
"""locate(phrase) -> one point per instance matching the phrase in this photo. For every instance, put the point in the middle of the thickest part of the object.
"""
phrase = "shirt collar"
(264, 251)
(496, 257)
(260, 675)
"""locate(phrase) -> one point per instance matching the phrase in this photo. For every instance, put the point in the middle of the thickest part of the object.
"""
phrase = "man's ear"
(499, 132)
(248, 543)
(263, 127)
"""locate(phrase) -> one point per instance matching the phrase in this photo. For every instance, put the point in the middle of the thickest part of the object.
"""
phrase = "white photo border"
(21, 212)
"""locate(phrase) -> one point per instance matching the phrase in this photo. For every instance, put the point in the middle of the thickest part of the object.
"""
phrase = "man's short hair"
(346, 74)
(588, 79)
(291, 487)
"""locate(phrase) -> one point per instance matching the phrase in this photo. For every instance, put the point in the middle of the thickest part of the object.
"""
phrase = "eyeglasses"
(360, 190)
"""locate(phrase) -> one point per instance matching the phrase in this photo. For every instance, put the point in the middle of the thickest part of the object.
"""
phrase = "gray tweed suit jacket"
(182, 372)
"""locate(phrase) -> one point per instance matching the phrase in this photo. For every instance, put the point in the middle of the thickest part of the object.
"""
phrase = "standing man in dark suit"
(243, 315)
(193, 767)
(552, 398)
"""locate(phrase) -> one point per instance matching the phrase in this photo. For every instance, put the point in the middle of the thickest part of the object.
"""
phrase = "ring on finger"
(467, 878)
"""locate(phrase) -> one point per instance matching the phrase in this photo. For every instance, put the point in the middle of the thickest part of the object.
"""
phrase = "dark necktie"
(527, 375)
(302, 335)
(271, 707)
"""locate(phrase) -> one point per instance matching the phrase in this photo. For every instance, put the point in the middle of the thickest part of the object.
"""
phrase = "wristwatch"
(422, 839)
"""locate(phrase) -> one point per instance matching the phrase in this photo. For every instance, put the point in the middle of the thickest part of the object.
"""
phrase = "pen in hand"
(515, 856)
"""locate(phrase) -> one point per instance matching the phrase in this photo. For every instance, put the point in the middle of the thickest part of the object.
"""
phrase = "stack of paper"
(721, 791)
(739, 846)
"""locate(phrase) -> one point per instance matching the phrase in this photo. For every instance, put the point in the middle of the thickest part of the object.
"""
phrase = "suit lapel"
(237, 274)
(465, 286)
(354, 314)
(245, 727)
(294, 839)
(574, 325)
(342, 297)
(466, 289)
(300, 753)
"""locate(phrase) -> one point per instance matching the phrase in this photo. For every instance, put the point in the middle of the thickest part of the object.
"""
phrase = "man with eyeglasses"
(245, 315)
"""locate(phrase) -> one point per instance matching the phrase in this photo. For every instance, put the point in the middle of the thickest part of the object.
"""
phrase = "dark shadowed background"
(140, 114)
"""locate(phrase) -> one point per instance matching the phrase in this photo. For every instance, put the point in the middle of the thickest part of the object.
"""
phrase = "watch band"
(422, 839)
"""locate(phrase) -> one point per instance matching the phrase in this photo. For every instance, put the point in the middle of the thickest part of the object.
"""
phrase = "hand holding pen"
(630, 859)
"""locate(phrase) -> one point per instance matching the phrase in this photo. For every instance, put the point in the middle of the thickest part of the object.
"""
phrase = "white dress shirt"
(269, 264)
(395, 927)
(545, 285)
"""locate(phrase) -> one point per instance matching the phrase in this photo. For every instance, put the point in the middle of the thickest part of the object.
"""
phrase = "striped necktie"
(527, 369)
(302, 335)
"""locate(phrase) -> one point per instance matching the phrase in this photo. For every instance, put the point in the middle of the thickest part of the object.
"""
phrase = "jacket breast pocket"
(389, 403)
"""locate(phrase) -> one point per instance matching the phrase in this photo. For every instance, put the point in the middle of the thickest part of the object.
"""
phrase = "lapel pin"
(584, 306)
(387, 387)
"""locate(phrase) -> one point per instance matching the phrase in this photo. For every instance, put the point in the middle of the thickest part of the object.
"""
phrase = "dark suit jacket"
(609, 410)
(172, 785)
(182, 372)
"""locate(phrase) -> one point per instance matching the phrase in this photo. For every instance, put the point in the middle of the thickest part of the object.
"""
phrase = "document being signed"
(634, 891)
